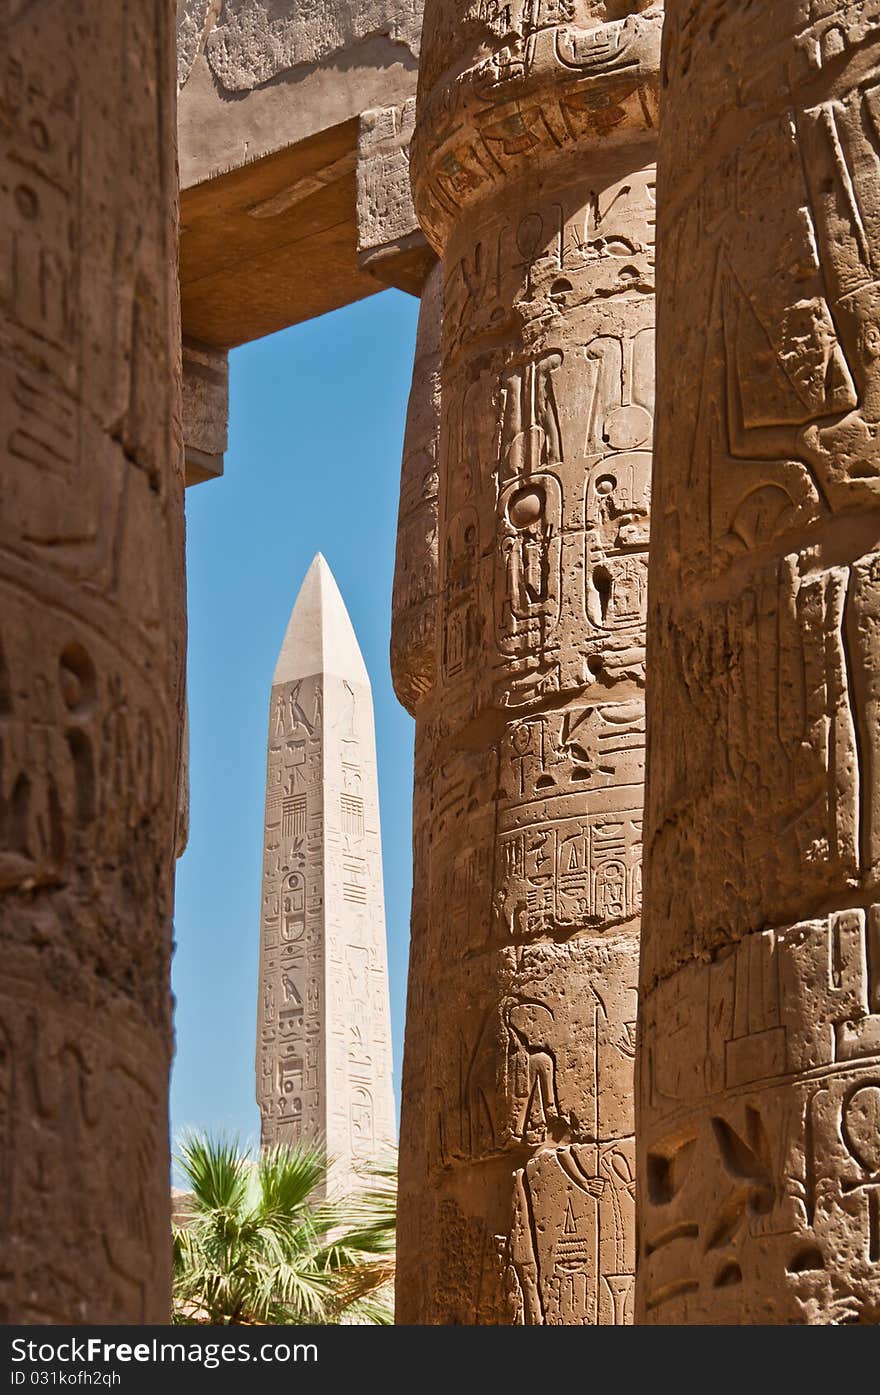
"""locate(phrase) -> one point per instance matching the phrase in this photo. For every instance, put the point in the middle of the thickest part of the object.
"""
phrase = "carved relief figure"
(754, 1167)
(530, 743)
(91, 608)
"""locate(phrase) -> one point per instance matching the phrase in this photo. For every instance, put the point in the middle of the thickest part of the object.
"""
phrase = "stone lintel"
(269, 116)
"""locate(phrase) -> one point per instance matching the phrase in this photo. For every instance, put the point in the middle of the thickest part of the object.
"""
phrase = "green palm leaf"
(261, 1243)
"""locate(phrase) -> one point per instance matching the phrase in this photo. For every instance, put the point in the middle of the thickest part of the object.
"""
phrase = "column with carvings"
(414, 598)
(414, 674)
(759, 1055)
(533, 179)
(91, 657)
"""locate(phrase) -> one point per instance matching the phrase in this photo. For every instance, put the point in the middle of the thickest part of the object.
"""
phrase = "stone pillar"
(533, 179)
(414, 673)
(91, 657)
(414, 599)
(759, 1058)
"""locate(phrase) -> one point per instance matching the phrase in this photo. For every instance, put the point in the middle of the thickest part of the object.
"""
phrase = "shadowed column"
(533, 180)
(414, 600)
(759, 1056)
(414, 673)
(91, 657)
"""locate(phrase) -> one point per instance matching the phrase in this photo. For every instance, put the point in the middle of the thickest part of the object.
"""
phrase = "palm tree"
(259, 1245)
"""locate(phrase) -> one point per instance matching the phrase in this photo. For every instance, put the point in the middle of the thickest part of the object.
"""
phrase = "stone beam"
(293, 126)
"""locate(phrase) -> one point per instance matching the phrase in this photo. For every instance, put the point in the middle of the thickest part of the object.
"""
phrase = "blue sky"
(316, 426)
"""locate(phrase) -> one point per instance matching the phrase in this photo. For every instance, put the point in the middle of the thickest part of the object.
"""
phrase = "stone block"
(205, 410)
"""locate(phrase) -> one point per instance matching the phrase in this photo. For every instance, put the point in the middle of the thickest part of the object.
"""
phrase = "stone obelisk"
(324, 1039)
(759, 1028)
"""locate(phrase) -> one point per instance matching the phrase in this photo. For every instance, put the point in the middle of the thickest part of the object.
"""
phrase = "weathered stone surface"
(194, 21)
(324, 1035)
(182, 837)
(275, 96)
(205, 406)
(272, 95)
(416, 581)
(760, 1026)
(532, 176)
(222, 131)
(391, 245)
(254, 41)
(91, 657)
(273, 242)
(181, 1206)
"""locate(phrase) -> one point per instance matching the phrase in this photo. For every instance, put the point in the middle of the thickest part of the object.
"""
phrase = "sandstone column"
(414, 599)
(414, 674)
(533, 178)
(91, 656)
(323, 1022)
(759, 1062)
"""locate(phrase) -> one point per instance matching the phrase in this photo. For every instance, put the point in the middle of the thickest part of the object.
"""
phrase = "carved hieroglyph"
(91, 648)
(759, 1116)
(533, 178)
(250, 42)
(414, 599)
(323, 1024)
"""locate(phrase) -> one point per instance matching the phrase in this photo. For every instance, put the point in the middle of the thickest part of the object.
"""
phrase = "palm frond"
(261, 1244)
(217, 1171)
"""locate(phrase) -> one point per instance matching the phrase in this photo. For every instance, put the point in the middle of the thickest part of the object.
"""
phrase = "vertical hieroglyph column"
(91, 656)
(414, 599)
(533, 178)
(759, 1057)
(324, 1031)
(414, 673)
